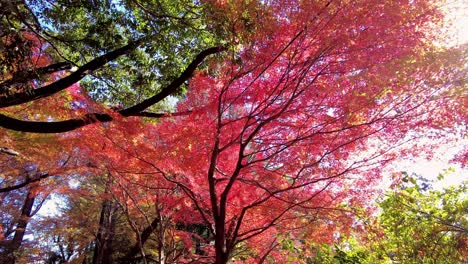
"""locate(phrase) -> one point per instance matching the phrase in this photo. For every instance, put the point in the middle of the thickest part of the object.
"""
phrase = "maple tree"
(288, 132)
(43, 55)
(283, 134)
(271, 141)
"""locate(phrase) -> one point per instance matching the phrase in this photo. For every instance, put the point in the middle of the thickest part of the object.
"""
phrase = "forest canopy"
(227, 131)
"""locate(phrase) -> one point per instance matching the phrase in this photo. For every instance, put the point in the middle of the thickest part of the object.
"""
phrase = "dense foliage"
(424, 225)
(224, 131)
(416, 224)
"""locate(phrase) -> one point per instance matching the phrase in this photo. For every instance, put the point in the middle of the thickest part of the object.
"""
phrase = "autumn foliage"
(282, 138)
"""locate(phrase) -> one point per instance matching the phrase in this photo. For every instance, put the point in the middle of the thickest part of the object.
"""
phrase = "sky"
(430, 169)
(457, 19)
(457, 16)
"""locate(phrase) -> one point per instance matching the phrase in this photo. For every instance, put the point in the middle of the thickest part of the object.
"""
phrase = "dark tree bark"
(57, 86)
(25, 183)
(72, 124)
(12, 246)
(51, 127)
(135, 249)
(103, 249)
(26, 76)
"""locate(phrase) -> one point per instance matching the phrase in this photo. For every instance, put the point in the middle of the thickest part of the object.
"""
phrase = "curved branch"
(28, 75)
(174, 85)
(68, 125)
(80, 73)
(51, 127)
(136, 110)
(135, 249)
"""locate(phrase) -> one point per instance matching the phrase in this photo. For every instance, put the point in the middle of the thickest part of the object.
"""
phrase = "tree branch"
(26, 182)
(8, 151)
(136, 110)
(28, 75)
(174, 85)
(51, 127)
(135, 249)
(80, 73)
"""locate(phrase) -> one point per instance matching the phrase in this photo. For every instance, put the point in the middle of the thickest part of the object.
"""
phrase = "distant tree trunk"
(135, 249)
(161, 238)
(12, 246)
(103, 248)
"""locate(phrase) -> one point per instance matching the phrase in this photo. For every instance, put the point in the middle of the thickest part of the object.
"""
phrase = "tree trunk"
(103, 249)
(12, 246)
(135, 249)
(222, 255)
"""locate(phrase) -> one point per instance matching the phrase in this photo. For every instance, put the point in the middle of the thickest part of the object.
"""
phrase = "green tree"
(423, 225)
(416, 224)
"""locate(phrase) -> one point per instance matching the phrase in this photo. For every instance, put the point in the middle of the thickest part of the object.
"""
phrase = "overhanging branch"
(174, 85)
(28, 75)
(80, 73)
(136, 110)
(26, 182)
(51, 127)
